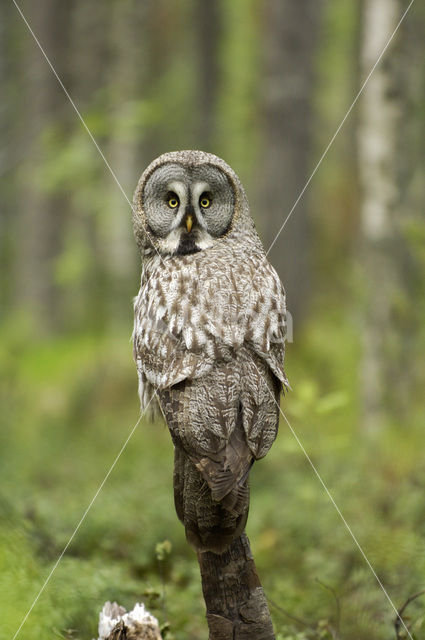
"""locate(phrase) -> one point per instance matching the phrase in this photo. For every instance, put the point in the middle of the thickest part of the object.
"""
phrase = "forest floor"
(69, 404)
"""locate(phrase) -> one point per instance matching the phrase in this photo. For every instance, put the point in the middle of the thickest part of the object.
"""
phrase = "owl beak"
(189, 223)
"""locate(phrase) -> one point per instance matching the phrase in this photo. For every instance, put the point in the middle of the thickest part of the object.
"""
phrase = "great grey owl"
(208, 336)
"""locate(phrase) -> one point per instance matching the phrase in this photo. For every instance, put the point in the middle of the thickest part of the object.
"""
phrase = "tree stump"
(236, 605)
(115, 623)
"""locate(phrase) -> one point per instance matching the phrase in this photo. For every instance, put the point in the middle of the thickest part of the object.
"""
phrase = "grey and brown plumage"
(208, 336)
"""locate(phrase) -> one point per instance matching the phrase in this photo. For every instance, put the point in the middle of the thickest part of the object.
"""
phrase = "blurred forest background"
(264, 85)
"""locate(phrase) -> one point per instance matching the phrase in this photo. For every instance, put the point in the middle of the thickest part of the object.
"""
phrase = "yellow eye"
(205, 201)
(173, 201)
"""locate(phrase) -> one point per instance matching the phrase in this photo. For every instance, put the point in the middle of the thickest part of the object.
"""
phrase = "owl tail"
(210, 525)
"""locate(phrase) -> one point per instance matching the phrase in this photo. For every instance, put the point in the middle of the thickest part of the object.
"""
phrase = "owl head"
(186, 202)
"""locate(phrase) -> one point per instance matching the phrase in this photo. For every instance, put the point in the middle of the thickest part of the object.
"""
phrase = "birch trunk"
(379, 120)
(127, 81)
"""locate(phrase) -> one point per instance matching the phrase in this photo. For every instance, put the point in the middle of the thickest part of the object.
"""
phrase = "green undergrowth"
(68, 406)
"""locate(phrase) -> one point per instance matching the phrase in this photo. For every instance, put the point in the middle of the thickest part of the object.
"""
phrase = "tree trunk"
(90, 46)
(43, 213)
(235, 600)
(13, 148)
(291, 32)
(380, 112)
(409, 219)
(127, 80)
(208, 27)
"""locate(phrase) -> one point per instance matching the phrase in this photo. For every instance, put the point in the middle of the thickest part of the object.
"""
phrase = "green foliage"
(163, 549)
(68, 411)
(67, 407)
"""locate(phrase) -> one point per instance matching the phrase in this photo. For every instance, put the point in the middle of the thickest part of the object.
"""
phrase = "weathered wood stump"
(236, 605)
(115, 623)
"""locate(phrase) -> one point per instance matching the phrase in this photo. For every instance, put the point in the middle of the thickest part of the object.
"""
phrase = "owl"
(209, 330)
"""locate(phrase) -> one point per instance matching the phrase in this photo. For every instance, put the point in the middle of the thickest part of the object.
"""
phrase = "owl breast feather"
(194, 310)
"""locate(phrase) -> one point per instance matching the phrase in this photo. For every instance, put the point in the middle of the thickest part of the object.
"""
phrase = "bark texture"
(235, 600)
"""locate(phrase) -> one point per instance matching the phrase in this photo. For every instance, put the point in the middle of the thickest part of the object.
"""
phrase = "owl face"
(188, 208)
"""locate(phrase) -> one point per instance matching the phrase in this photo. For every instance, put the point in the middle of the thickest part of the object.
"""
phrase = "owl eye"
(205, 200)
(172, 200)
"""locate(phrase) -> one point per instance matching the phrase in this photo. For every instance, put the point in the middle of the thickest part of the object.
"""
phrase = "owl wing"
(220, 424)
(261, 357)
(266, 326)
(205, 420)
(260, 391)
